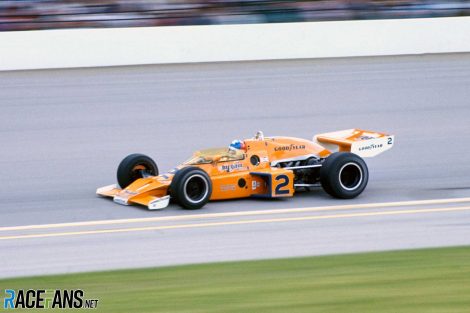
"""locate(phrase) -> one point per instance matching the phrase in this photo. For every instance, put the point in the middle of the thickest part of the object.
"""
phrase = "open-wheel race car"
(266, 167)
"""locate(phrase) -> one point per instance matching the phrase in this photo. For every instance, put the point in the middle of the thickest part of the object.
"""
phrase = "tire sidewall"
(179, 183)
(125, 172)
(330, 175)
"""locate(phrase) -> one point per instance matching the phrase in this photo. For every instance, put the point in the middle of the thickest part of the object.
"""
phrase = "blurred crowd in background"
(46, 14)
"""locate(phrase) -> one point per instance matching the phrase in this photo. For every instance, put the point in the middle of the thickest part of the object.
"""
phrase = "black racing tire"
(344, 175)
(191, 188)
(133, 167)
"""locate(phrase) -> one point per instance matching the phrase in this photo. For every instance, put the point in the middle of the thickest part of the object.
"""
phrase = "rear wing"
(361, 142)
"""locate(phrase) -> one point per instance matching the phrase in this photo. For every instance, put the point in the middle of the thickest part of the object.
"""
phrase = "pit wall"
(217, 43)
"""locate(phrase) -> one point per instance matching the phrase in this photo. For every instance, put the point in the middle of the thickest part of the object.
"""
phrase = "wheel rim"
(350, 176)
(195, 188)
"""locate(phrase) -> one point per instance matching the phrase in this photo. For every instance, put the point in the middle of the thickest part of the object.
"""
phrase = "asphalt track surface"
(63, 132)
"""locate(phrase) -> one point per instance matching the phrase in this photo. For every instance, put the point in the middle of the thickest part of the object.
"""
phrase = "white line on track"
(235, 214)
(212, 224)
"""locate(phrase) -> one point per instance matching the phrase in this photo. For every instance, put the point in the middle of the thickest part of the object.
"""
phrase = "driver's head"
(237, 145)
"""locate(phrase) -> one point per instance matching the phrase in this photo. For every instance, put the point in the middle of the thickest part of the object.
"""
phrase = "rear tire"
(344, 175)
(133, 167)
(191, 187)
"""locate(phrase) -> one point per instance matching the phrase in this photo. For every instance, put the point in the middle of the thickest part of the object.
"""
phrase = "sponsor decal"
(371, 147)
(228, 187)
(264, 159)
(230, 167)
(364, 137)
(289, 147)
(255, 185)
(47, 299)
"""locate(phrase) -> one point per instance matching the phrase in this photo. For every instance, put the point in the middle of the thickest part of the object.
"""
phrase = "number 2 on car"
(282, 185)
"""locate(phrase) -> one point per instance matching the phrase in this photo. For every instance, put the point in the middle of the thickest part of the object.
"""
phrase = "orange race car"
(267, 167)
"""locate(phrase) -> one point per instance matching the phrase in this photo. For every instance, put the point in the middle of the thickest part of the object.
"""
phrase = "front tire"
(344, 175)
(133, 167)
(191, 187)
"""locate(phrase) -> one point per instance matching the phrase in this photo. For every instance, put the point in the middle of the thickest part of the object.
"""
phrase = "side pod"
(277, 183)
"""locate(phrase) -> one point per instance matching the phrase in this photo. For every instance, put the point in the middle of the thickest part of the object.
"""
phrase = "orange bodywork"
(256, 173)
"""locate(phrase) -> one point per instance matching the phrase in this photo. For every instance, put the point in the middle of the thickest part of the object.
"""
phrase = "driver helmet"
(237, 145)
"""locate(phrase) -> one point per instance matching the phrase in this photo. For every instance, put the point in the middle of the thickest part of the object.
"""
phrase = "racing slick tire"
(133, 167)
(191, 187)
(344, 175)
